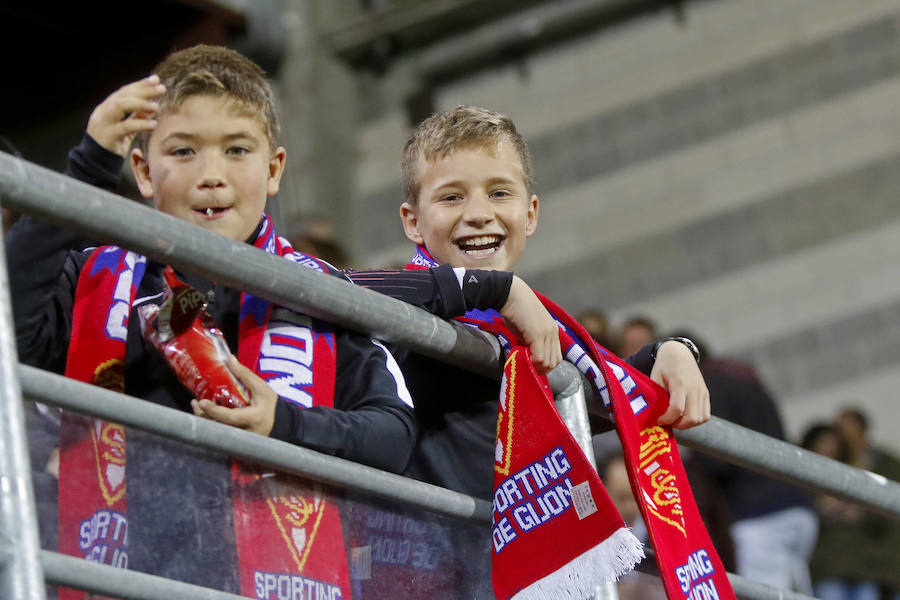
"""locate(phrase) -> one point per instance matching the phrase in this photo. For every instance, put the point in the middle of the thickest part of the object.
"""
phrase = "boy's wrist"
(484, 289)
(687, 343)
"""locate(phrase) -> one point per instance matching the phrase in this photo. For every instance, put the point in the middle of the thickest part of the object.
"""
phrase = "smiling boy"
(469, 202)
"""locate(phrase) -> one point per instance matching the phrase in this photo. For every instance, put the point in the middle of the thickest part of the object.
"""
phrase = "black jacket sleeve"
(372, 420)
(641, 360)
(43, 273)
(442, 290)
(92, 163)
(44, 263)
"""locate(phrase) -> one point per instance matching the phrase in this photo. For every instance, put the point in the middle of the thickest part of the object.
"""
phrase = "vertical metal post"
(572, 408)
(21, 577)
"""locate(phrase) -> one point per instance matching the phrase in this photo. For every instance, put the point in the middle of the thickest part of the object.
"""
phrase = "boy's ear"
(141, 169)
(276, 170)
(532, 216)
(411, 223)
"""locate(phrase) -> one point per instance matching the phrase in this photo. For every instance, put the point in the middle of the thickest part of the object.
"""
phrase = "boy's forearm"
(371, 420)
(93, 164)
(380, 437)
(442, 291)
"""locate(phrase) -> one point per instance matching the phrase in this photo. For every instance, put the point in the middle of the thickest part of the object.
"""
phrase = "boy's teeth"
(484, 244)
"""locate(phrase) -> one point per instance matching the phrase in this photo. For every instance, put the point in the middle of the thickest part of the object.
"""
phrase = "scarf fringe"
(607, 561)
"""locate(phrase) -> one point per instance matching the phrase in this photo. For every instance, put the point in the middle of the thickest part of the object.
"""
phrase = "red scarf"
(548, 496)
(288, 536)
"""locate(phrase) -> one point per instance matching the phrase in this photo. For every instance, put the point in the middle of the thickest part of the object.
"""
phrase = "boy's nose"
(478, 211)
(212, 175)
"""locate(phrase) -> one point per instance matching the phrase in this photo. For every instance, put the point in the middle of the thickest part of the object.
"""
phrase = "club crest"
(659, 487)
(298, 517)
(109, 451)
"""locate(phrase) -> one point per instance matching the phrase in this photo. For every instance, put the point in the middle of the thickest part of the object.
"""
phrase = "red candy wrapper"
(194, 347)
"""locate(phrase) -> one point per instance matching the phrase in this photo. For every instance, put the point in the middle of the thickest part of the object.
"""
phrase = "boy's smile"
(473, 209)
(209, 162)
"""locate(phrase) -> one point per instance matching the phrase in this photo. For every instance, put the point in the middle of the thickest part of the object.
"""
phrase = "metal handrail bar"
(99, 578)
(62, 200)
(32, 189)
(20, 569)
(100, 403)
(785, 461)
(68, 394)
(742, 586)
(108, 218)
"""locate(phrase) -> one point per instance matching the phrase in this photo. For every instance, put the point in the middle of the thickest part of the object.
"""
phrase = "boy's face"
(473, 209)
(209, 163)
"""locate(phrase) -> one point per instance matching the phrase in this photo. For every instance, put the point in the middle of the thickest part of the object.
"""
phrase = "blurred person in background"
(597, 324)
(636, 332)
(854, 426)
(611, 467)
(9, 217)
(775, 527)
(316, 236)
(857, 556)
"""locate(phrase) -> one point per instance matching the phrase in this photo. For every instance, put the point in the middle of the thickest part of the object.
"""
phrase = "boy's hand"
(676, 370)
(259, 417)
(124, 113)
(528, 318)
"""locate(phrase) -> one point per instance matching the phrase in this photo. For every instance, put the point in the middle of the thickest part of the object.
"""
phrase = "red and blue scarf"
(555, 529)
(288, 535)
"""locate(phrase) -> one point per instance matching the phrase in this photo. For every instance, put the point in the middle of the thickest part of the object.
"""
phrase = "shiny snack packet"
(194, 347)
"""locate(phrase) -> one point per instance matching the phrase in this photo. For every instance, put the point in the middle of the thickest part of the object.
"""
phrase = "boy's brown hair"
(461, 128)
(216, 71)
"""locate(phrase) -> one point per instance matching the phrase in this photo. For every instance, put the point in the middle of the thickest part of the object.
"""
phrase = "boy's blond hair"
(216, 71)
(461, 128)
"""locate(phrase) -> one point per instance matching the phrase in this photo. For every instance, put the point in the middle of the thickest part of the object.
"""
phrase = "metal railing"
(108, 218)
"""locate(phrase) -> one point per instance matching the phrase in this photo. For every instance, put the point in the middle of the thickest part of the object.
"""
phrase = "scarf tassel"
(607, 561)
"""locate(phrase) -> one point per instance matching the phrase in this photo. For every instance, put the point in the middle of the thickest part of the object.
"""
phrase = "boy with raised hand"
(207, 152)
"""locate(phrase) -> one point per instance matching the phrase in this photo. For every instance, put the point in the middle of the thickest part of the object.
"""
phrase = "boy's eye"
(238, 150)
(451, 197)
(181, 151)
(501, 194)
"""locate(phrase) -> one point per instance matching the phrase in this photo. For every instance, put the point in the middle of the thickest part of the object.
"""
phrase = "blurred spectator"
(614, 473)
(316, 236)
(774, 529)
(854, 426)
(857, 556)
(637, 332)
(826, 439)
(597, 324)
(9, 217)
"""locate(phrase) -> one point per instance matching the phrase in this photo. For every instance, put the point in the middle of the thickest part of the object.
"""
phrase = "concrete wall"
(736, 173)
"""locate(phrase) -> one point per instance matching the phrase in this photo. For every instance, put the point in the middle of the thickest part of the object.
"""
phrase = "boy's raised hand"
(259, 417)
(124, 113)
(528, 318)
(676, 370)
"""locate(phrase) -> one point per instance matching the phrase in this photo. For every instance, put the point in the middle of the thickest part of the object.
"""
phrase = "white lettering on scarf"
(286, 356)
(121, 304)
(285, 586)
(532, 497)
(103, 537)
(695, 577)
